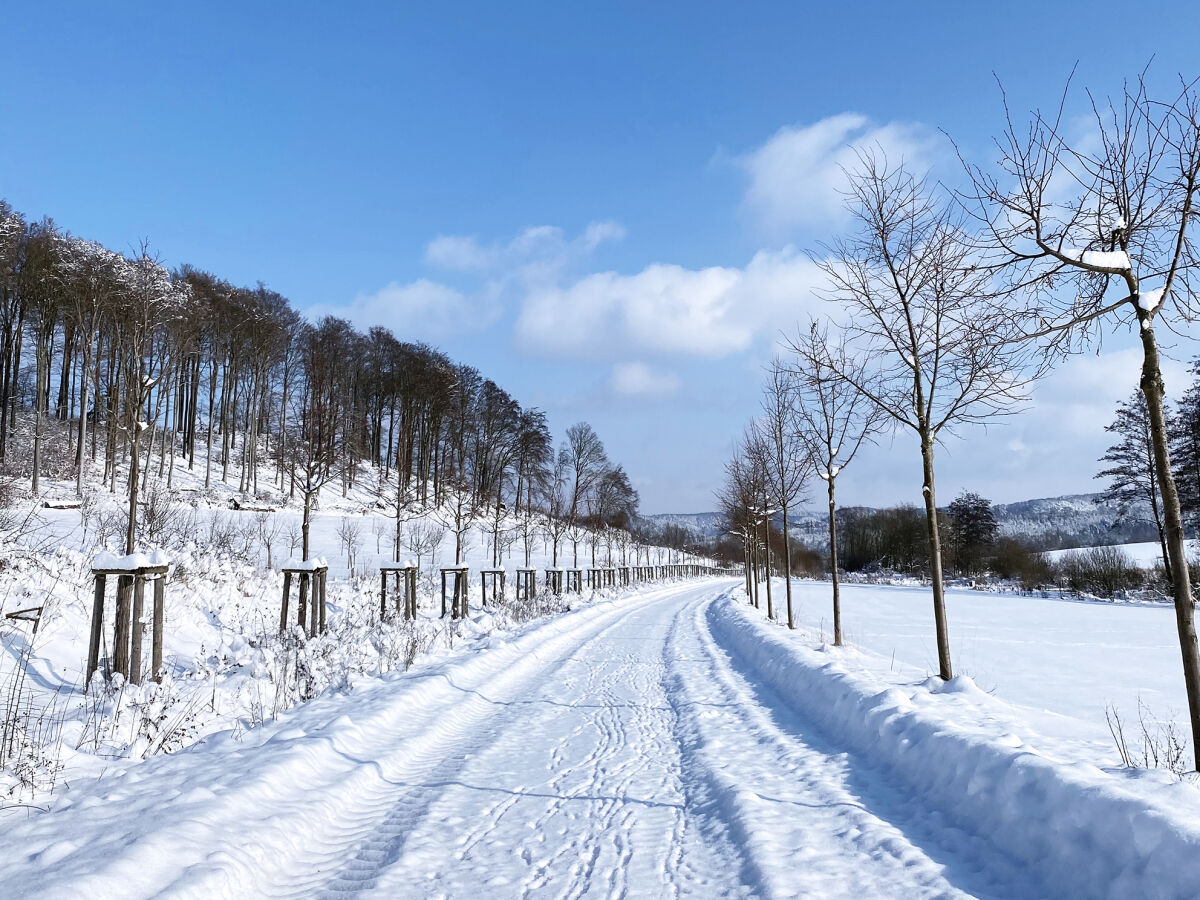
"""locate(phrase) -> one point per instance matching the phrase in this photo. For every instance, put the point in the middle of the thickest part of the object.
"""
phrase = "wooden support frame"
(526, 584)
(458, 599)
(129, 626)
(497, 578)
(312, 602)
(404, 576)
(574, 580)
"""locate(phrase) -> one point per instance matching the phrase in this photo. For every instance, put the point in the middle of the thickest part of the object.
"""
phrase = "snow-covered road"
(619, 750)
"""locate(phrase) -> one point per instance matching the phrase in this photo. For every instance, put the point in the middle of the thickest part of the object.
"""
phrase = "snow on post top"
(105, 560)
(305, 565)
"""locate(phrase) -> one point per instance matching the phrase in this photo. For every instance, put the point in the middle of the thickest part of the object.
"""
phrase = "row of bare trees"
(946, 305)
(114, 367)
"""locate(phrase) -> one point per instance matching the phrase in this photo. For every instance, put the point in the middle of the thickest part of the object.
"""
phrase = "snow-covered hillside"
(227, 664)
(1072, 520)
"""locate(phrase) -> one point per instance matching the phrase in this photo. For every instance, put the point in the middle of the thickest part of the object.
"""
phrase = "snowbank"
(1074, 826)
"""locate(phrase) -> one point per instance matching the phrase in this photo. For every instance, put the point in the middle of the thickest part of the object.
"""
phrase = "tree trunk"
(1185, 617)
(787, 566)
(767, 552)
(84, 385)
(935, 561)
(131, 531)
(833, 565)
(305, 523)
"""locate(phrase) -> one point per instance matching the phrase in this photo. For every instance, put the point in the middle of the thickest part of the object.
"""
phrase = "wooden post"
(93, 661)
(156, 638)
(410, 593)
(302, 603)
(383, 597)
(314, 603)
(137, 629)
(321, 575)
(121, 629)
(443, 593)
(287, 590)
(461, 590)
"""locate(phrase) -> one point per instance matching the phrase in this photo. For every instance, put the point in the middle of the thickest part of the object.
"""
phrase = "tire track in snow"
(811, 819)
(415, 787)
(279, 813)
(602, 809)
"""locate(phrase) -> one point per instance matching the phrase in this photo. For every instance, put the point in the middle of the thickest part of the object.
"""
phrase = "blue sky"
(602, 206)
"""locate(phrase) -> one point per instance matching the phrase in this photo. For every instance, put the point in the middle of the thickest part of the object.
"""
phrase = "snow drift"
(1074, 826)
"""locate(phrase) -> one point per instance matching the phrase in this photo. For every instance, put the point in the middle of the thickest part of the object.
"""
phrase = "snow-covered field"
(669, 742)
(1063, 660)
(1146, 554)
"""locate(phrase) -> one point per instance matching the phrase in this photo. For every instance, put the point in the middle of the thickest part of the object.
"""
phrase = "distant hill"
(706, 525)
(1073, 520)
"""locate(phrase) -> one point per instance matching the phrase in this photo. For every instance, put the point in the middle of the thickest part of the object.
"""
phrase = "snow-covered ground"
(1063, 660)
(1146, 554)
(665, 743)
(227, 666)
(658, 741)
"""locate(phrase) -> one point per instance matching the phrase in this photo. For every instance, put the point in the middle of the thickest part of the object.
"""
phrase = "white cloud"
(537, 249)
(638, 379)
(421, 309)
(598, 233)
(797, 178)
(665, 308)
(458, 253)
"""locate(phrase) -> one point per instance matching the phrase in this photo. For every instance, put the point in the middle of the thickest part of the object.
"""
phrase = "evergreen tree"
(972, 527)
(1132, 471)
(1184, 433)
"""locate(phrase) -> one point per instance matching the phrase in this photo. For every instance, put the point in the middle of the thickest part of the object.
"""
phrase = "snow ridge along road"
(618, 750)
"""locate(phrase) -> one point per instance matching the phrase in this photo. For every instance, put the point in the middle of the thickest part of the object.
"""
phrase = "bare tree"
(458, 515)
(787, 463)
(150, 298)
(739, 500)
(425, 537)
(93, 278)
(268, 529)
(1098, 230)
(926, 343)
(558, 504)
(587, 461)
(834, 420)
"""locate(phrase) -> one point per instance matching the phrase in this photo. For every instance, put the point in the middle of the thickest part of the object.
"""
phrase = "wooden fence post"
(121, 629)
(302, 603)
(287, 590)
(137, 630)
(93, 661)
(156, 637)
(322, 575)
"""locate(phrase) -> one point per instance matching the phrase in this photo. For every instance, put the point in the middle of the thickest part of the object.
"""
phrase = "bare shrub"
(1157, 744)
(160, 513)
(1103, 571)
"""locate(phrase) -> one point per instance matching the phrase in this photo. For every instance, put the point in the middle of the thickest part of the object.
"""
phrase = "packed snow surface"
(669, 742)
